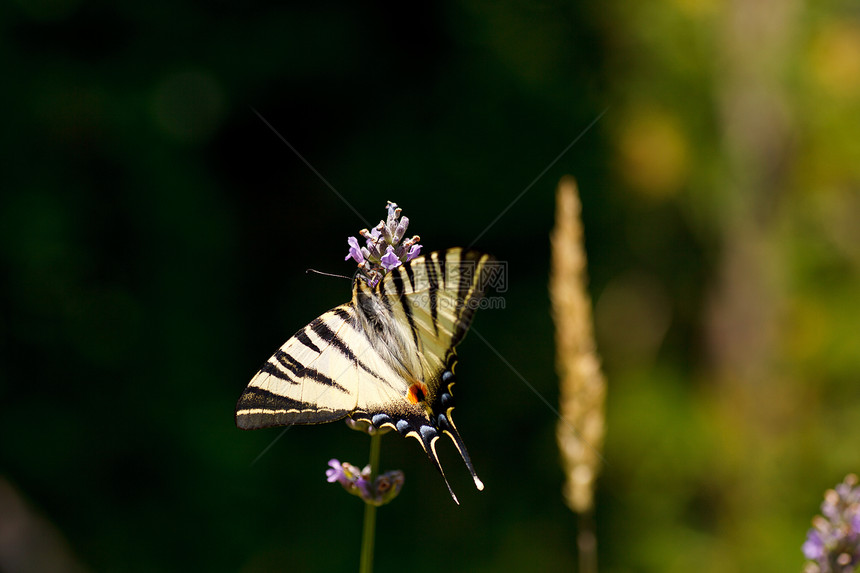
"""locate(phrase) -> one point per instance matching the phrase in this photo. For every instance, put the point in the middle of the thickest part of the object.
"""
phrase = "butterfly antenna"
(328, 274)
(444, 420)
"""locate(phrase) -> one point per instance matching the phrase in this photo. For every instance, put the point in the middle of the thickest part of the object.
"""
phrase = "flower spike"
(833, 543)
(385, 247)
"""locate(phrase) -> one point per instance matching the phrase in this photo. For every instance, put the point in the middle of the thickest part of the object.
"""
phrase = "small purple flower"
(414, 251)
(384, 488)
(335, 473)
(354, 250)
(389, 259)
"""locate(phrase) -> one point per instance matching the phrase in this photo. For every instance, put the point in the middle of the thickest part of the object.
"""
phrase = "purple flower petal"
(813, 548)
(354, 250)
(414, 251)
(389, 259)
(335, 472)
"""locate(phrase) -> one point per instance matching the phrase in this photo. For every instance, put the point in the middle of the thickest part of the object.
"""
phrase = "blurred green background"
(154, 237)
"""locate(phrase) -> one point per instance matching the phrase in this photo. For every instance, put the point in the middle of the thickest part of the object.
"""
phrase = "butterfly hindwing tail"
(443, 408)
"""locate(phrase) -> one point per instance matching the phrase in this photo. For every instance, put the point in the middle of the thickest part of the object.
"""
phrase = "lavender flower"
(385, 247)
(413, 252)
(389, 259)
(384, 488)
(336, 473)
(354, 250)
(833, 543)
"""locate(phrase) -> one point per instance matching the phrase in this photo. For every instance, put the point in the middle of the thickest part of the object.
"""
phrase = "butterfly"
(386, 358)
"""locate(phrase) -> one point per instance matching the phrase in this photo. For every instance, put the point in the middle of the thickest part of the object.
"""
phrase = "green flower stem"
(370, 510)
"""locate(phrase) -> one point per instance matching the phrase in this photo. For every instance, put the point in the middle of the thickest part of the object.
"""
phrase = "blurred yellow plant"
(583, 388)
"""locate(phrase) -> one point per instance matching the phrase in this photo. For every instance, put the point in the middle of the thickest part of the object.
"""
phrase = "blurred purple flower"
(813, 547)
(384, 488)
(833, 543)
(335, 473)
(363, 488)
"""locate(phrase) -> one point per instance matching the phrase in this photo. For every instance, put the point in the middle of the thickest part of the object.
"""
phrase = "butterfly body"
(386, 358)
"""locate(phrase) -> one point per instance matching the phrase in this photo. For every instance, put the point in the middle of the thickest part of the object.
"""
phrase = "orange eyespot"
(417, 393)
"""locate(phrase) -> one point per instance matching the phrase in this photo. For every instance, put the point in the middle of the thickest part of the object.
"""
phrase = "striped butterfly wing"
(430, 304)
(441, 294)
(311, 379)
(319, 373)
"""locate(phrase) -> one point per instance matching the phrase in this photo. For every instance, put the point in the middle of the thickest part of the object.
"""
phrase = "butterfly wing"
(311, 379)
(438, 297)
(318, 375)
(427, 306)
